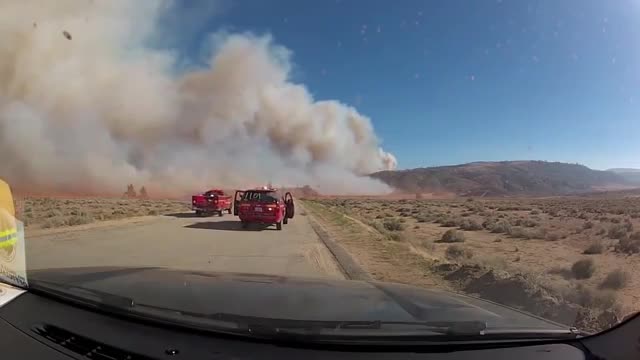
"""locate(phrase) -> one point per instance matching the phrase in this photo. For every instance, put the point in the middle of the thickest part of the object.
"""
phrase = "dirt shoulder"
(384, 260)
(403, 257)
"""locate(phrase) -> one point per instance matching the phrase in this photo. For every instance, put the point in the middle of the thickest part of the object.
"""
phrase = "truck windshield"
(481, 147)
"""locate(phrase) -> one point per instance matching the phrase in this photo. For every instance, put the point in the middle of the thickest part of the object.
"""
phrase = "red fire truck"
(263, 206)
(214, 201)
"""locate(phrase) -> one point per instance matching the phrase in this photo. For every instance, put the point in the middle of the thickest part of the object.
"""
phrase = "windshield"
(260, 196)
(484, 154)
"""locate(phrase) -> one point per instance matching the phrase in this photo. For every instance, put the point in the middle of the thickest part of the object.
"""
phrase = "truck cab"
(264, 206)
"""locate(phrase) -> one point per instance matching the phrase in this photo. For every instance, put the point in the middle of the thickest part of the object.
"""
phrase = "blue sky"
(448, 82)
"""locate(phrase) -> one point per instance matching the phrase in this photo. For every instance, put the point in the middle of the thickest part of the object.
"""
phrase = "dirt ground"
(576, 256)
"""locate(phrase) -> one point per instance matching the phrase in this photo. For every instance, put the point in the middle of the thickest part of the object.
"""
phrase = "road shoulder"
(365, 254)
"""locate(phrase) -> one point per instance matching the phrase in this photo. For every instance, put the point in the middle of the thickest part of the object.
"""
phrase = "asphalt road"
(184, 241)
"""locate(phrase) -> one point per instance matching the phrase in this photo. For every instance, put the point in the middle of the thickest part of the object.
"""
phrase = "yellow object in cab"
(6, 198)
(8, 229)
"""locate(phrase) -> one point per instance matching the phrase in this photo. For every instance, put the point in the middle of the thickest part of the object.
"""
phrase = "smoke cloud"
(101, 106)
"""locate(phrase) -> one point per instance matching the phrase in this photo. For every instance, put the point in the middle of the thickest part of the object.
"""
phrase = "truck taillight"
(270, 208)
(245, 205)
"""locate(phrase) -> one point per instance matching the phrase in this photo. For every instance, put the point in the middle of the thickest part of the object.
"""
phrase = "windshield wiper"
(393, 331)
(279, 325)
(270, 326)
(400, 330)
(383, 328)
(449, 327)
(79, 293)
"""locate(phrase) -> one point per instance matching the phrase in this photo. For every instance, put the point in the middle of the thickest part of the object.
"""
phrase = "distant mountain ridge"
(505, 178)
(630, 175)
(624, 170)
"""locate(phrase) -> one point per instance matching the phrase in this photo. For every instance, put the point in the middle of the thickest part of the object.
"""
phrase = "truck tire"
(198, 213)
(279, 225)
(229, 210)
(244, 224)
(220, 213)
(285, 220)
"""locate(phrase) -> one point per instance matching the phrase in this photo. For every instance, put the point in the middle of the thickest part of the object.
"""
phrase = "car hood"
(291, 298)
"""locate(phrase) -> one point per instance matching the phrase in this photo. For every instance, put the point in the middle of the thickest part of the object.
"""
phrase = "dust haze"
(106, 106)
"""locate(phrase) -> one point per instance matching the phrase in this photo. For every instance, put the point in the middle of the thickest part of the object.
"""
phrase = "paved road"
(184, 241)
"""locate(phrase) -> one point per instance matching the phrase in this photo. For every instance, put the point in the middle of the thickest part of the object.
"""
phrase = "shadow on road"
(184, 215)
(228, 225)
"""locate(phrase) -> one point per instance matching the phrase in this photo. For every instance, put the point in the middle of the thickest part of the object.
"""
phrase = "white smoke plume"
(97, 107)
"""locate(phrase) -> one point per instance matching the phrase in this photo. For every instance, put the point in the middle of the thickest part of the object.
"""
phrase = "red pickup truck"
(263, 206)
(210, 202)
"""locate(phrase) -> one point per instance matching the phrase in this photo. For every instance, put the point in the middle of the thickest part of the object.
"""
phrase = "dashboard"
(37, 327)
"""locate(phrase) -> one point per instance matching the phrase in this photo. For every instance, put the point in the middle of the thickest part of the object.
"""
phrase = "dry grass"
(53, 213)
(452, 236)
(583, 269)
(429, 245)
(596, 247)
(617, 231)
(525, 233)
(616, 280)
(470, 225)
(590, 298)
(455, 252)
(396, 236)
(393, 225)
(500, 227)
(628, 246)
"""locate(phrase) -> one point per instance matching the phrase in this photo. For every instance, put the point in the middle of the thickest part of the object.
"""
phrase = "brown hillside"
(503, 178)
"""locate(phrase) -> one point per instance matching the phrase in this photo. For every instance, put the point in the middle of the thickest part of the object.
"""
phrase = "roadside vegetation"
(570, 258)
(46, 213)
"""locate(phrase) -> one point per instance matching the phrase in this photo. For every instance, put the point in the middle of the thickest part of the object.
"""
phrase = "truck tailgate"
(258, 210)
(199, 201)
